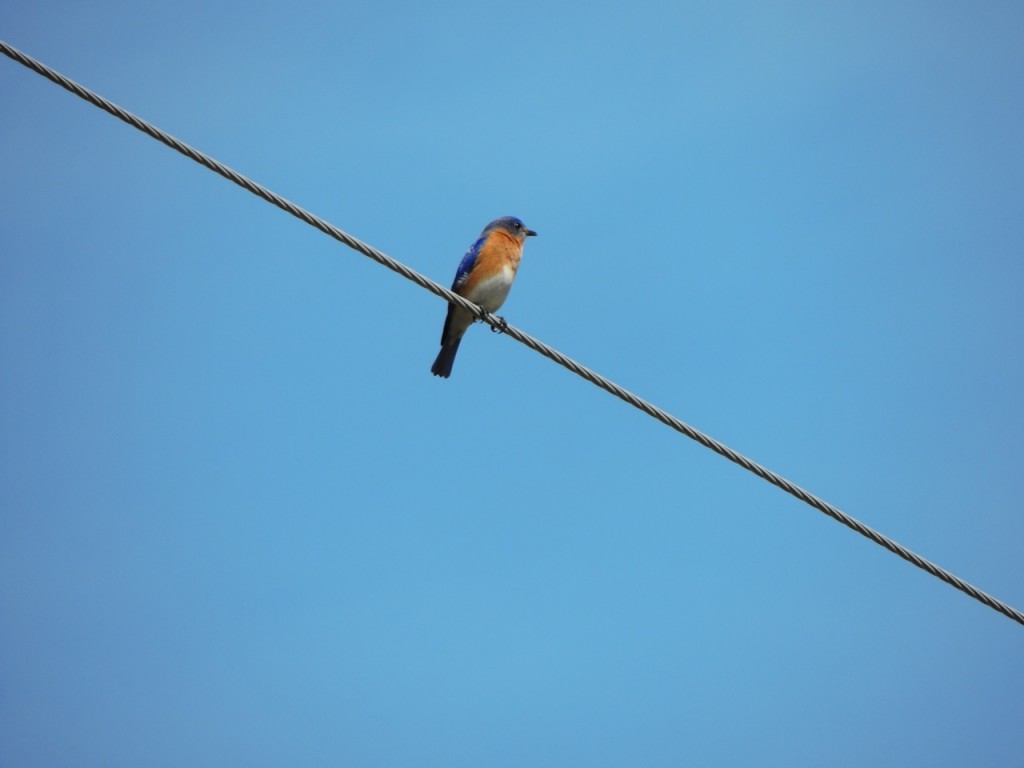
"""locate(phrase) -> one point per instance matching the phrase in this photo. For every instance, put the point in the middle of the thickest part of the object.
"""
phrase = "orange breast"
(500, 254)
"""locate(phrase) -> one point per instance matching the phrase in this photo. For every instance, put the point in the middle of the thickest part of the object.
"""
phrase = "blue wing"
(466, 265)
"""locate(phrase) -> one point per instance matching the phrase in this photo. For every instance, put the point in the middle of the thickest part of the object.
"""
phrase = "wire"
(499, 324)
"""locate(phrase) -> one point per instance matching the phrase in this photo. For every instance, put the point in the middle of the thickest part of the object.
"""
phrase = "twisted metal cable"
(499, 324)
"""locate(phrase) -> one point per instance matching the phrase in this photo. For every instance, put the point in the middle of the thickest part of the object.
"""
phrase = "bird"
(484, 277)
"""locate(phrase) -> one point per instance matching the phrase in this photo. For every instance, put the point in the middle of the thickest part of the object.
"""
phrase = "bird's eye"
(519, 225)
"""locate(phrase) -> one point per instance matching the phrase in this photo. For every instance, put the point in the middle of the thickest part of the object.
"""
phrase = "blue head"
(512, 225)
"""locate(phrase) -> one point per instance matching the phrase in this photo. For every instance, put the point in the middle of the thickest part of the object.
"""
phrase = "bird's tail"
(445, 359)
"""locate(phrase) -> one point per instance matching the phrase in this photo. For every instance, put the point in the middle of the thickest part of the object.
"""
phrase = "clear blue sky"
(242, 524)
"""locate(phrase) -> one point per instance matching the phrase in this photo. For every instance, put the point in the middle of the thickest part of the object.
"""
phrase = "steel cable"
(499, 324)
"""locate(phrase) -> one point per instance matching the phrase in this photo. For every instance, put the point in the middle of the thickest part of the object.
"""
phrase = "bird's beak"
(530, 233)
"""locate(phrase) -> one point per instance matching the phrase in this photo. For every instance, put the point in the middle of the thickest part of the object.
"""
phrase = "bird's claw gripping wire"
(501, 327)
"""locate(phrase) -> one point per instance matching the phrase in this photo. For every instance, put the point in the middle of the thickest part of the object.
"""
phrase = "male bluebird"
(484, 277)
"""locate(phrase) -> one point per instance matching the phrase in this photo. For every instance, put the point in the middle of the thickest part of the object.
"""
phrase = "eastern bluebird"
(484, 277)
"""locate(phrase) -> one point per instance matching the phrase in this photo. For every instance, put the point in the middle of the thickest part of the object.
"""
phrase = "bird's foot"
(501, 327)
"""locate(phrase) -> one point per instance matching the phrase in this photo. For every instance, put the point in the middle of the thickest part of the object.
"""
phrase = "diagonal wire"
(499, 324)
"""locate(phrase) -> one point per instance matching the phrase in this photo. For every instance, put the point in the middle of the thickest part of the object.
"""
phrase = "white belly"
(492, 292)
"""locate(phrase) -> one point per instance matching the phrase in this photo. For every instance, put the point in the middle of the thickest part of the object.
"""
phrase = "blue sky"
(241, 522)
